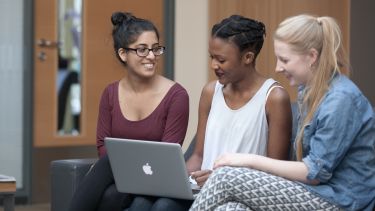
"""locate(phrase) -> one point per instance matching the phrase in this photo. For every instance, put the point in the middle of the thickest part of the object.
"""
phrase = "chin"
(222, 81)
(293, 83)
(149, 72)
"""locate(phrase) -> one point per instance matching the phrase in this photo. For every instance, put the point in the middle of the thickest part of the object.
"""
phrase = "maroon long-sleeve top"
(167, 123)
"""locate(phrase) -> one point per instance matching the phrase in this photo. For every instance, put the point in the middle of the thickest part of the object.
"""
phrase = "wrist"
(251, 159)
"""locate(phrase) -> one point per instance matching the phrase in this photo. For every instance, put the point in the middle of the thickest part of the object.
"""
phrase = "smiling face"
(142, 66)
(226, 60)
(296, 67)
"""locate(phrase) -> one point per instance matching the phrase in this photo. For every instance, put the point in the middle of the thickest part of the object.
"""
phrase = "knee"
(167, 204)
(223, 173)
(112, 199)
(224, 177)
(101, 167)
(110, 193)
(162, 204)
(141, 203)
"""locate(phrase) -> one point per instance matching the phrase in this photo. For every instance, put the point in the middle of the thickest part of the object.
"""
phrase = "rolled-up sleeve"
(330, 135)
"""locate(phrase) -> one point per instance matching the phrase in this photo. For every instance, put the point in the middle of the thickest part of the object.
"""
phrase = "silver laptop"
(149, 168)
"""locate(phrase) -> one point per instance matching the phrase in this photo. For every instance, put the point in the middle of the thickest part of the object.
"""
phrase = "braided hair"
(246, 33)
(127, 28)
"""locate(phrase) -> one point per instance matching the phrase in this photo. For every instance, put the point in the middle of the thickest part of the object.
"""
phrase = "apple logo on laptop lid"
(147, 169)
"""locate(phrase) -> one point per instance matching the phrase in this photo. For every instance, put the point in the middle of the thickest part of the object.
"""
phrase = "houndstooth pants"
(231, 188)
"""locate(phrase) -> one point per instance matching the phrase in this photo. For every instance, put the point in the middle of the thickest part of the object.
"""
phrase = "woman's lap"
(257, 190)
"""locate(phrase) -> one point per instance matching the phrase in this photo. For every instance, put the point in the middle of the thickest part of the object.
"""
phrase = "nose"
(279, 68)
(150, 55)
(214, 64)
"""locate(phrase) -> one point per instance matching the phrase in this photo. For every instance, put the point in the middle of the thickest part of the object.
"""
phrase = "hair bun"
(118, 18)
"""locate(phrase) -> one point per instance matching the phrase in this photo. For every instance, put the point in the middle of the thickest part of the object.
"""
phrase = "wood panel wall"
(271, 13)
(99, 64)
(100, 67)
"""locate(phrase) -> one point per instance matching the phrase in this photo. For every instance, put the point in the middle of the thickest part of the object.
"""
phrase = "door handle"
(43, 43)
(42, 56)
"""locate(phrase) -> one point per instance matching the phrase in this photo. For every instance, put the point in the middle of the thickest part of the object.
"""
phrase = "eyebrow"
(145, 45)
(281, 57)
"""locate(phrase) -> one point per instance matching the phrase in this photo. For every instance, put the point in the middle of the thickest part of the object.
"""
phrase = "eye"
(283, 60)
(220, 60)
(142, 50)
(157, 49)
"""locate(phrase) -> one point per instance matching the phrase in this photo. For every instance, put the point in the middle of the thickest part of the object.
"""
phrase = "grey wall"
(362, 46)
(11, 90)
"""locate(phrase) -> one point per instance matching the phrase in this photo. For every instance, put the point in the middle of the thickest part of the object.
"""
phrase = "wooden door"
(99, 65)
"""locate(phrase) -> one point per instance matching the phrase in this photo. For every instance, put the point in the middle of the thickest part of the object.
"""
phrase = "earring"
(311, 67)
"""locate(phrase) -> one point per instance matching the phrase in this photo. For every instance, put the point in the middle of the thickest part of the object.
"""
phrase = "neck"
(250, 79)
(137, 84)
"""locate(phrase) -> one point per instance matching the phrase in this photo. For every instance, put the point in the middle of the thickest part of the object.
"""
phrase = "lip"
(149, 65)
(219, 73)
(287, 75)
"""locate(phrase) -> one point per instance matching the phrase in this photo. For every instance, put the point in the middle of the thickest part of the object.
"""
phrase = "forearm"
(291, 170)
(194, 163)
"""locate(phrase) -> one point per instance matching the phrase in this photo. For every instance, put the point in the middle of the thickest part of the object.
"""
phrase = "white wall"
(191, 54)
(11, 89)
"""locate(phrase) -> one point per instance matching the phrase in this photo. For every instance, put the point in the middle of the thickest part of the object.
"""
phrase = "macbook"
(149, 168)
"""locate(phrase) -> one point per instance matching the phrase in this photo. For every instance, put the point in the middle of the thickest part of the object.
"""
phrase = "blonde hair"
(303, 33)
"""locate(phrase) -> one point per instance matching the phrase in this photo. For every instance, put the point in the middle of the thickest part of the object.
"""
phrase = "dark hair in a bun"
(119, 17)
(127, 28)
(246, 33)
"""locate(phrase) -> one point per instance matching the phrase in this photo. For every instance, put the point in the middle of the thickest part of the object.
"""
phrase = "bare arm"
(291, 170)
(195, 161)
(279, 117)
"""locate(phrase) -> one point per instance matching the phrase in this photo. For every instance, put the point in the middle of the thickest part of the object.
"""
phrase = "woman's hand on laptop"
(201, 176)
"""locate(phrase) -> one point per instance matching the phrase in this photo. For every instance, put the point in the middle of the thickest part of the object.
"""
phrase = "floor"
(33, 207)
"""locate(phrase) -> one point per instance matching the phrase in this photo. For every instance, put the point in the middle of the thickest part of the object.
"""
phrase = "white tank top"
(244, 130)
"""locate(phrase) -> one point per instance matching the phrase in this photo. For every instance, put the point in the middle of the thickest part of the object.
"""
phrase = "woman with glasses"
(142, 105)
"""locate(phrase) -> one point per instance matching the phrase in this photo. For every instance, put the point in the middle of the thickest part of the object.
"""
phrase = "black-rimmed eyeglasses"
(143, 52)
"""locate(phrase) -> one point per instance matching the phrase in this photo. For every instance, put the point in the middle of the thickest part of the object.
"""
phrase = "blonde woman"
(335, 150)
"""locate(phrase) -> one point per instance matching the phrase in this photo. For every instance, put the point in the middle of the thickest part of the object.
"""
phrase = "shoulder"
(111, 89)
(170, 86)
(343, 91)
(278, 101)
(176, 94)
(109, 94)
(277, 94)
(343, 101)
(177, 90)
(342, 85)
(209, 89)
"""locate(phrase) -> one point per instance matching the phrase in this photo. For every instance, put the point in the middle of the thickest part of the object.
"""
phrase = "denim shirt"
(339, 147)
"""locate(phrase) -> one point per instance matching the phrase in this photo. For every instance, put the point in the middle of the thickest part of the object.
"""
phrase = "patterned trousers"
(231, 188)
